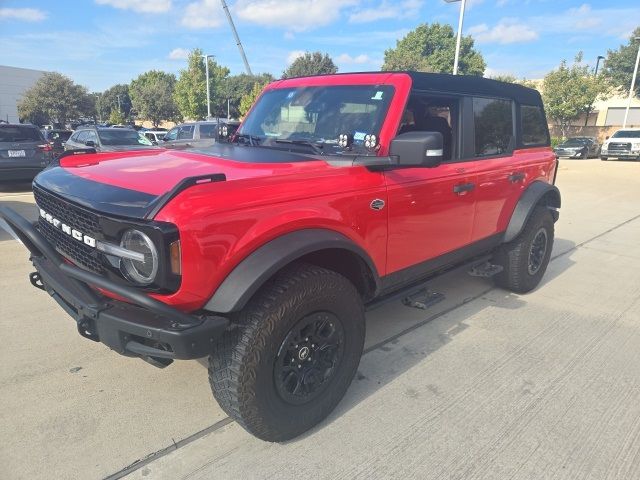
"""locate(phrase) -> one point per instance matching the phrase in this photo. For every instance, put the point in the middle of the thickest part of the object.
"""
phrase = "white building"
(13, 83)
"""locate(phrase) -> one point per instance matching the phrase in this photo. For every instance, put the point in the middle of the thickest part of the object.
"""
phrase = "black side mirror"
(418, 149)
(90, 143)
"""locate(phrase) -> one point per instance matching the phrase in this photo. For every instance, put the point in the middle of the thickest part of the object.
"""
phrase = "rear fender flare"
(538, 193)
(256, 269)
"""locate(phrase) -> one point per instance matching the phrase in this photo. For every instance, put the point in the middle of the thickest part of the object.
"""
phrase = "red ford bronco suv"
(336, 193)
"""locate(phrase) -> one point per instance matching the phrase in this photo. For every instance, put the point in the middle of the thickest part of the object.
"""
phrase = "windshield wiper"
(253, 139)
(317, 148)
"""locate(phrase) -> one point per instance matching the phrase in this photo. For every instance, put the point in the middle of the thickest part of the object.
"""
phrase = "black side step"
(485, 270)
(420, 286)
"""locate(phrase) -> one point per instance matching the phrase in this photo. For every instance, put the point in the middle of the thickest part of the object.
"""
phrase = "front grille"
(76, 217)
(619, 147)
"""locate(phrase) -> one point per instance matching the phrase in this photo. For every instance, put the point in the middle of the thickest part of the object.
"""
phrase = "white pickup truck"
(624, 143)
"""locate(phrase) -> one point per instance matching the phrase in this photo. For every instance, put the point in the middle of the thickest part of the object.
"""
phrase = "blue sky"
(99, 43)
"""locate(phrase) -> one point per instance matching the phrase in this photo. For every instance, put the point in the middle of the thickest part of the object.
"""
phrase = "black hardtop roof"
(464, 84)
(472, 85)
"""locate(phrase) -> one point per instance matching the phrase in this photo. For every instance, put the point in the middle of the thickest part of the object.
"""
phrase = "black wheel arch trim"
(257, 268)
(536, 192)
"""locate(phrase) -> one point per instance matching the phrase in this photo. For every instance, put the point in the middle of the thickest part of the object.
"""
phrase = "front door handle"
(463, 188)
(516, 177)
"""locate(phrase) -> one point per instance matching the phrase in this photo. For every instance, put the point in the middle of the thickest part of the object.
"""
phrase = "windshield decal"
(377, 96)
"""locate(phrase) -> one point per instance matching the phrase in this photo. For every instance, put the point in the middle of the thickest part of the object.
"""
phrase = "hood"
(135, 184)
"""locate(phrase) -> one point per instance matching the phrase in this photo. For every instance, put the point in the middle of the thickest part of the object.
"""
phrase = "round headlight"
(141, 272)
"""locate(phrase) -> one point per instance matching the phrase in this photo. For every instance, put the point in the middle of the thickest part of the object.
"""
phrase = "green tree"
(310, 63)
(237, 86)
(569, 92)
(619, 65)
(504, 78)
(249, 98)
(116, 117)
(431, 48)
(115, 98)
(55, 99)
(190, 93)
(152, 96)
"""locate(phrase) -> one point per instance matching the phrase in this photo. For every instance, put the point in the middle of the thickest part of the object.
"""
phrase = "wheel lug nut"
(306, 339)
(299, 366)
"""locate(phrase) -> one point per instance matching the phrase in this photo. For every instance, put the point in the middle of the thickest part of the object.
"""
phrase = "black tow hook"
(36, 281)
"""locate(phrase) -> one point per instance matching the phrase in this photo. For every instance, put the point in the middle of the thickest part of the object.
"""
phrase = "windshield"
(627, 134)
(117, 136)
(575, 142)
(318, 115)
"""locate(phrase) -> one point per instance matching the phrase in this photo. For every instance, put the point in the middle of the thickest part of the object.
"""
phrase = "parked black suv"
(23, 152)
(56, 140)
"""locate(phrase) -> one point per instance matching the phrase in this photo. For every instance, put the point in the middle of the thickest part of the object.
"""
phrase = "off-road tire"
(242, 365)
(514, 256)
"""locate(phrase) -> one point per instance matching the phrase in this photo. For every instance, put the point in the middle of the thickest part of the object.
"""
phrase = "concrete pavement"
(484, 385)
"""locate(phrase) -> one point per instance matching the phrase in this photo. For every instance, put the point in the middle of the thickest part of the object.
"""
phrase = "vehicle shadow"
(24, 208)
(401, 351)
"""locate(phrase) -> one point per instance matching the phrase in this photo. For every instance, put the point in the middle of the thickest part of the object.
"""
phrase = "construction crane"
(235, 34)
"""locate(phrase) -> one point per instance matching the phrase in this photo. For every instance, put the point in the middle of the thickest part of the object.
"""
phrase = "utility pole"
(206, 69)
(633, 84)
(235, 34)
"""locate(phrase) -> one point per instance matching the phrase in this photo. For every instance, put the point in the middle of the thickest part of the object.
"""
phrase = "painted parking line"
(4, 226)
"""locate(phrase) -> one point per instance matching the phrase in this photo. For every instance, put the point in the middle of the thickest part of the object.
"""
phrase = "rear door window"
(19, 133)
(534, 126)
(493, 120)
(185, 132)
(208, 130)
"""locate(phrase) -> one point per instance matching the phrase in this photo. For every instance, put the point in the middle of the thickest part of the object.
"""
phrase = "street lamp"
(460, 20)
(600, 57)
(633, 84)
(586, 120)
(206, 69)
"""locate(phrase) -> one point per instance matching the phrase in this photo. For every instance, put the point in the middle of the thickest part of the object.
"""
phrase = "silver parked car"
(105, 139)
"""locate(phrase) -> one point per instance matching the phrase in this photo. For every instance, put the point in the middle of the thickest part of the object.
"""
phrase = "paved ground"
(485, 385)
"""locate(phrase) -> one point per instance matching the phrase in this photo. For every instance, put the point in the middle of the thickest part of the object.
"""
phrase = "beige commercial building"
(13, 83)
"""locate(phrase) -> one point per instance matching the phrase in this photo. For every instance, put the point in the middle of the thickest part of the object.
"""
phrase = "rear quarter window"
(534, 126)
(18, 133)
(493, 122)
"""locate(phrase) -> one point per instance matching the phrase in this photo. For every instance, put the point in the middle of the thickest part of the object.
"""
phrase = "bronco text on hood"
(337, 193)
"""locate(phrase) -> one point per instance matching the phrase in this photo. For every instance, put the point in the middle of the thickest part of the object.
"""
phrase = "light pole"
(600, 57)
(459, 38)
(633, 84)
(586, 120)
(206, 69)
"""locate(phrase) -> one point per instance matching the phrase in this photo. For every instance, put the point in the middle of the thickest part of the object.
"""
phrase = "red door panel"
(426, 217)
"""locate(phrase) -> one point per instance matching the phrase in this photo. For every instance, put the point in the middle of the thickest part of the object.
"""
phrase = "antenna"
(235, 34)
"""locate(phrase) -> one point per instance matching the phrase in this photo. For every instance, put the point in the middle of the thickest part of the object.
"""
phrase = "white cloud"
(345, 58)
(294, 15)
(294, 55)
(179, 54)
(202, 14)
(385, 10)
(506, 31)
(141, 6)
(26, 14)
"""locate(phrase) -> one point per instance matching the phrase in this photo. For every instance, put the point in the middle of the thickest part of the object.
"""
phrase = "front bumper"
(145, 327)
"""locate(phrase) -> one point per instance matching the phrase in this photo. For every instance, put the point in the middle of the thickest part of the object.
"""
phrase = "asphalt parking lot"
(484, 385)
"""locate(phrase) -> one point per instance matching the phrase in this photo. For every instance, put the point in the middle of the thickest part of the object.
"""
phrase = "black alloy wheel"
(308, 357)
(537, 251)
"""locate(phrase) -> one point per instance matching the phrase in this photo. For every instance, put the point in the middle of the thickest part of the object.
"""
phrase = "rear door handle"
(516, 177)
(462, 188)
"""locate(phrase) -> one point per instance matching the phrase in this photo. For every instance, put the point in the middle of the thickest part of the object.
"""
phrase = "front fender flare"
(535, 193)
(252, 272)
